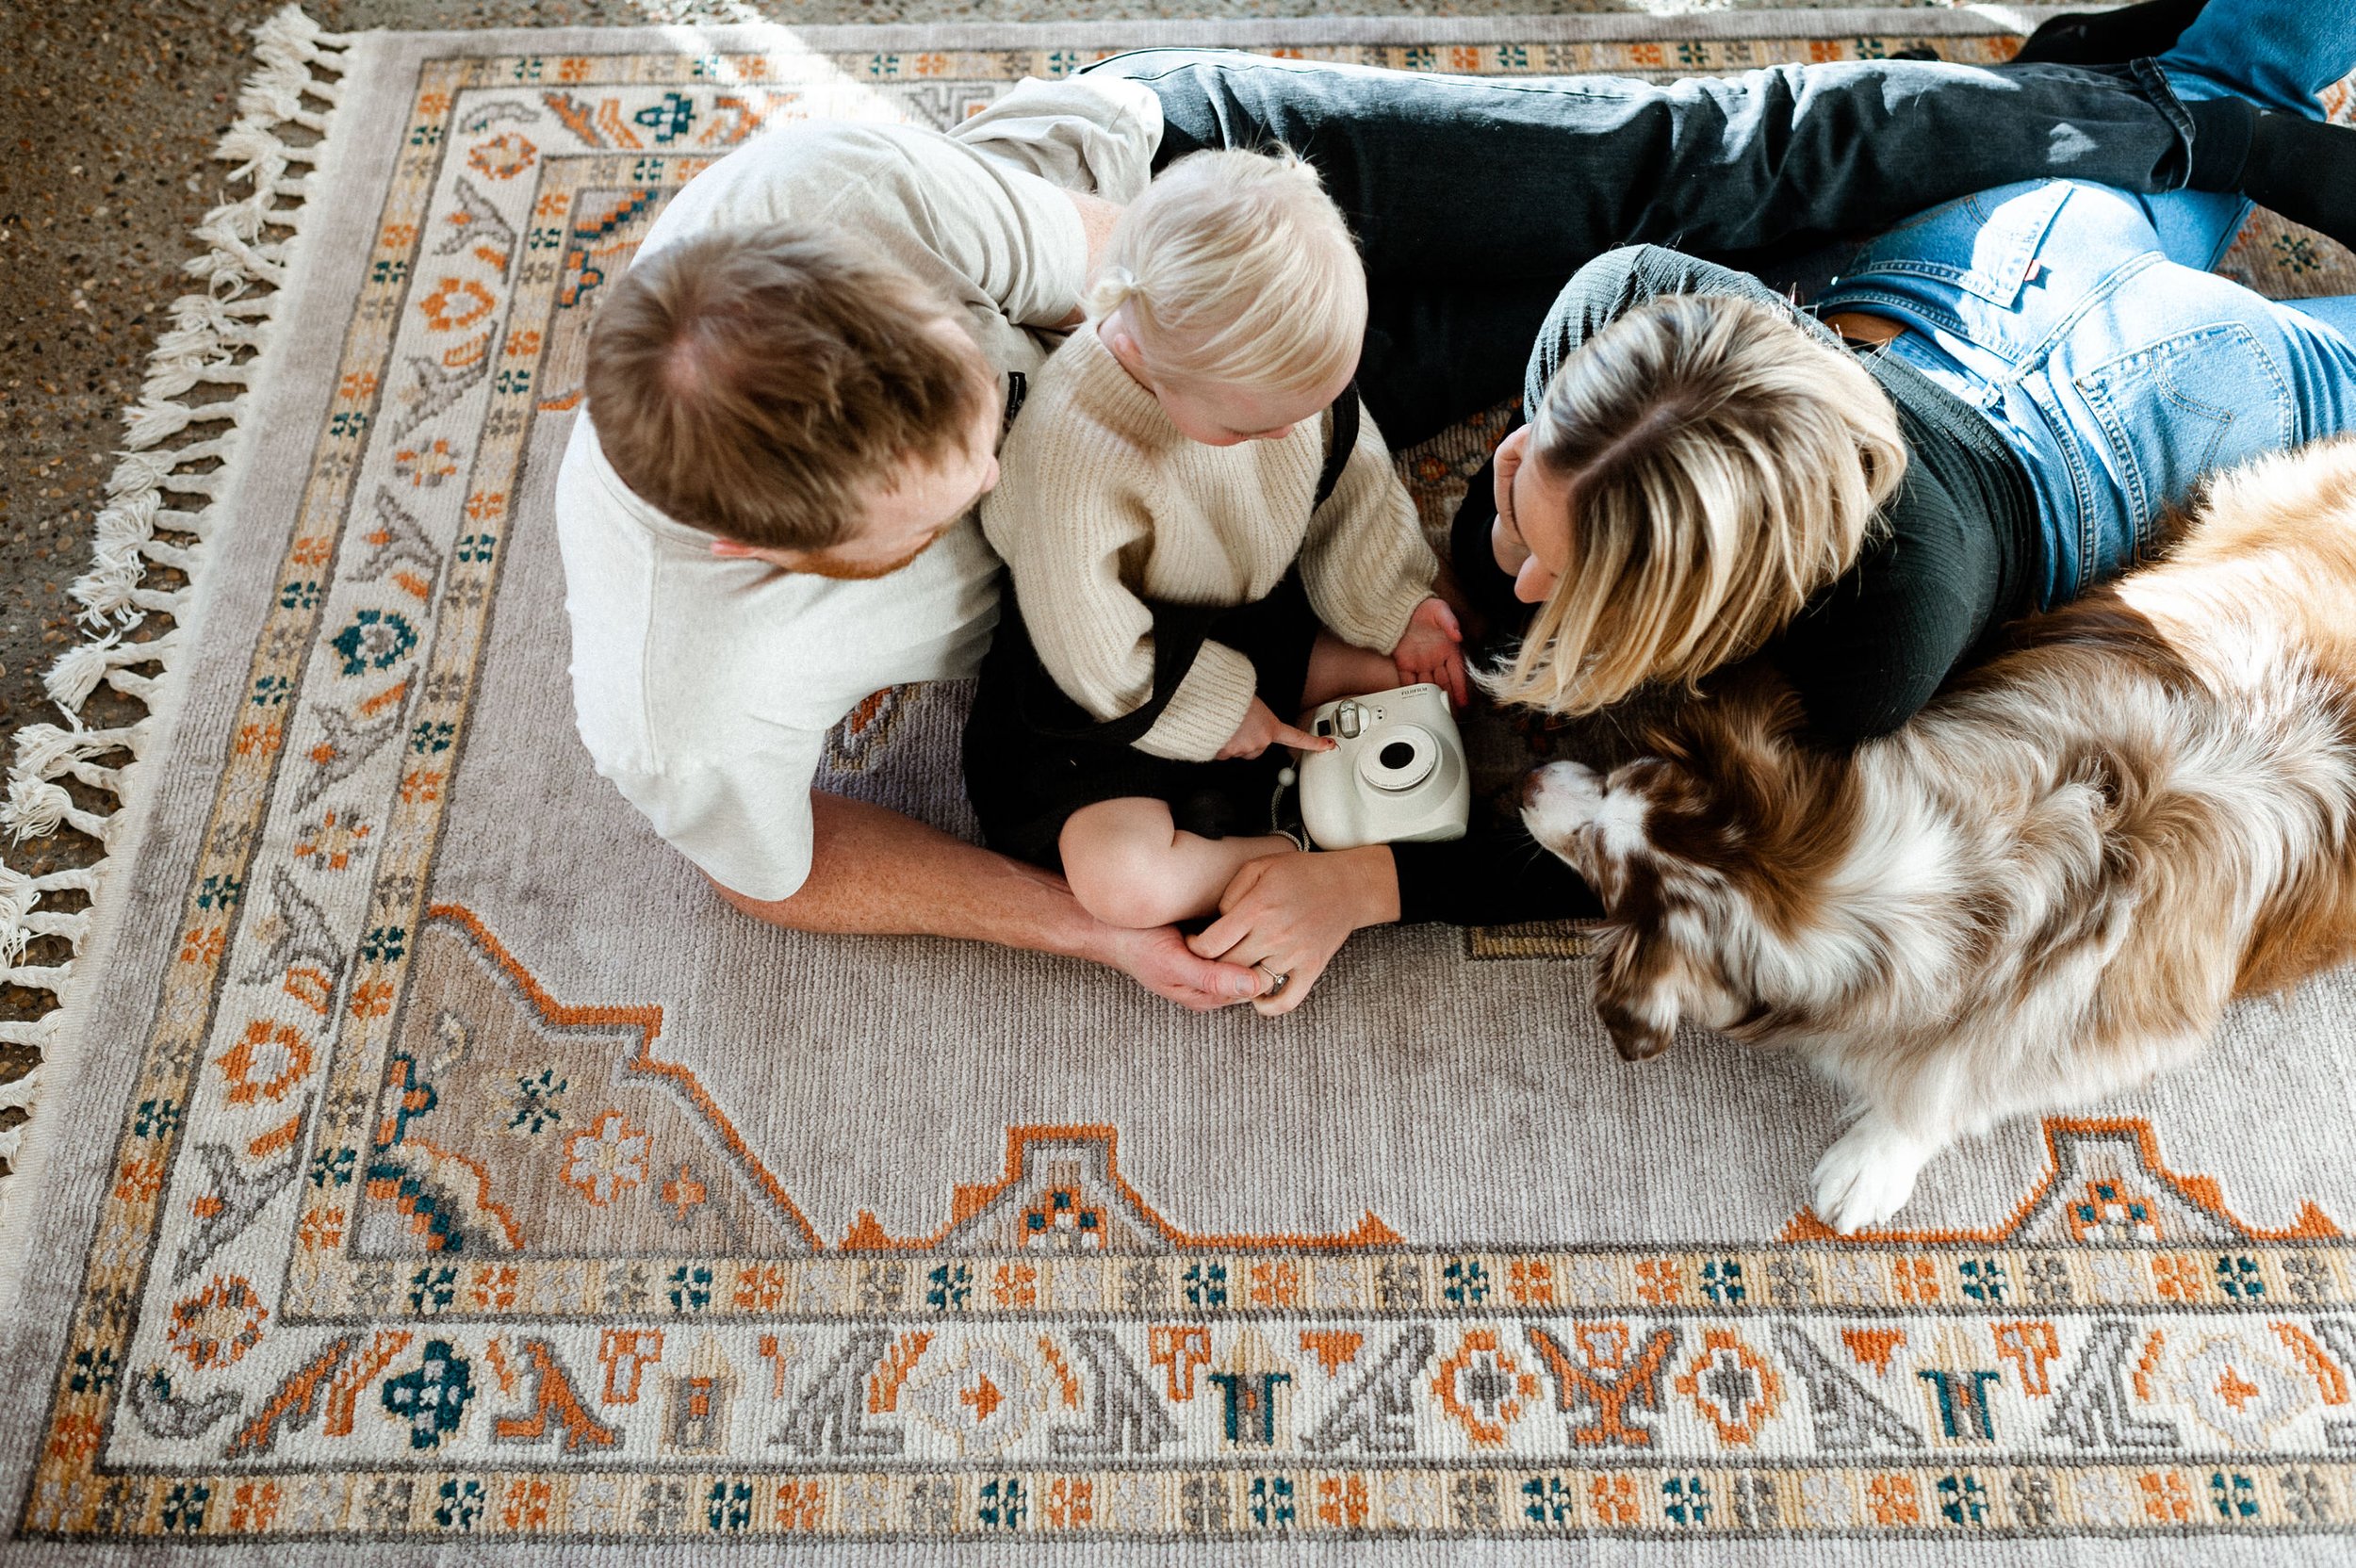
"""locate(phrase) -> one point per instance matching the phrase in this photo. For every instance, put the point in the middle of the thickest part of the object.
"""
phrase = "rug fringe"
(218, 339)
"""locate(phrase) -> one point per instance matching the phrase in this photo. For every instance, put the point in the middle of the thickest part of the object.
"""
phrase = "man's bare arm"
(1097, 218)
(873, 870)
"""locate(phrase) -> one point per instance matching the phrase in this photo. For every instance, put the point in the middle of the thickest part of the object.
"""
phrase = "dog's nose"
(1566, 780)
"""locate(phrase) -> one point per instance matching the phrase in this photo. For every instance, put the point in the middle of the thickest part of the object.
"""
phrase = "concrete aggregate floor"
(109, 112)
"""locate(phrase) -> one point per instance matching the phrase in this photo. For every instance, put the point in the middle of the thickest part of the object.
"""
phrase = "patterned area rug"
(429, 1166)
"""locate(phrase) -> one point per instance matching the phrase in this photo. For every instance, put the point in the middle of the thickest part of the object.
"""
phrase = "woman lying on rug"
(2037, 374)
(2024, 384)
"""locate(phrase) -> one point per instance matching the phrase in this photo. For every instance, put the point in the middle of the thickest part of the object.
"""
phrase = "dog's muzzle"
(1558, 800)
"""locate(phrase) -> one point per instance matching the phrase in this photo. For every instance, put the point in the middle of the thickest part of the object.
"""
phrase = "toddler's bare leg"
(1340, 669)
(1129, 865)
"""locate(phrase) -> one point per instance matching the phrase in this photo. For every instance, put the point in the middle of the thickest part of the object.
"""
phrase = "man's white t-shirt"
(705, 687)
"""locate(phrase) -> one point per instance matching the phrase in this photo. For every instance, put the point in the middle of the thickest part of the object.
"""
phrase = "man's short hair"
(762, 383)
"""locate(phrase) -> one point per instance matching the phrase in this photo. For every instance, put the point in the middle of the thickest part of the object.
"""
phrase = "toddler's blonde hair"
(1237, 269)
(1724, 467)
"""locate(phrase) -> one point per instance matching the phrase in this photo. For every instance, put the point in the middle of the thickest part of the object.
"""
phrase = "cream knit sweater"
(1102, 504)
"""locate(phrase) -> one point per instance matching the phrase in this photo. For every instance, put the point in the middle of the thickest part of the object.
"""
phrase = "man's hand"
(1261, 728)
(1159, 960)
(1289, 914)
(1433, 650)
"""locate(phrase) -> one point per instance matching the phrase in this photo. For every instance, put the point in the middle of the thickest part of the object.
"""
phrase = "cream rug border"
(245, 273)
(2082, 1551)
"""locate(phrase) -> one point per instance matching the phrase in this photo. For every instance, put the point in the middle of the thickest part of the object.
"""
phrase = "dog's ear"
(1635, 1038)
(1635, 993)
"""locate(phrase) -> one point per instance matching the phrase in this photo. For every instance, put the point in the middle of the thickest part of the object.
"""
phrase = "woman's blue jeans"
(2084, 323)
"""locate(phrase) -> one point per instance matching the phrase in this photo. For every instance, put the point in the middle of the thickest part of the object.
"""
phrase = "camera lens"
(1398, 757)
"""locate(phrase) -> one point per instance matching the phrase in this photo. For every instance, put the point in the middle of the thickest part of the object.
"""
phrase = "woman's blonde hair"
(1237, 269)
(1724, 467)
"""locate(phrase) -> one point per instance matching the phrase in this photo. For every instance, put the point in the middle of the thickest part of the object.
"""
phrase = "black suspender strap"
(1339, 444)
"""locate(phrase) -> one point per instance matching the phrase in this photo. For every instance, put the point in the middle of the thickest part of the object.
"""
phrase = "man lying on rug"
(798, 388)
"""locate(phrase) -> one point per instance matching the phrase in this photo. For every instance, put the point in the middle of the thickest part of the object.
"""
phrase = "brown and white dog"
(2047, 886)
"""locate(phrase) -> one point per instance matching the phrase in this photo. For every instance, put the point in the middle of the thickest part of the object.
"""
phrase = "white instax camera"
(1396, 774)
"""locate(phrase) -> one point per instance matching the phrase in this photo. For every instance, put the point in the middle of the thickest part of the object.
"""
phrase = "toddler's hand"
(1261, 728)
(1433, 650)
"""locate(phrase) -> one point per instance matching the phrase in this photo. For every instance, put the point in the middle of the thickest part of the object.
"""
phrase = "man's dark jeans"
(1474, 199)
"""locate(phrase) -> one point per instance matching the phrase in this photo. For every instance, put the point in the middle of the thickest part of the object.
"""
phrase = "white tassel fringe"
(215, 340)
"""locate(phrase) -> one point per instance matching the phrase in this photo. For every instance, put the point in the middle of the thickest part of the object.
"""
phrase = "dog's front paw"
(1867, 1176)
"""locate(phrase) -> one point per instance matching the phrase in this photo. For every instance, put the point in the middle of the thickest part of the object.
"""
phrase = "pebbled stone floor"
(108, 113)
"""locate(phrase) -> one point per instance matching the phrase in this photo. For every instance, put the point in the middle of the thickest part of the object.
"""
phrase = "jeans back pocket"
(2176, 410)
(1985, 245)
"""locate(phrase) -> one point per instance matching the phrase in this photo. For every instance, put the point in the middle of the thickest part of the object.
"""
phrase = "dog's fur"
(2047, 886)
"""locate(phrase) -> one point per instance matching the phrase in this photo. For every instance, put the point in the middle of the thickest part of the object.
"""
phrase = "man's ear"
(731, 549)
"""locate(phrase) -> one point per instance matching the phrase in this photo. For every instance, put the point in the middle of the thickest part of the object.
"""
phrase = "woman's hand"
(1433, 650)
(1288, 915)
(1261, 728)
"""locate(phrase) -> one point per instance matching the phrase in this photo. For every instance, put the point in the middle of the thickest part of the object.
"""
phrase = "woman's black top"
(1954, 561)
